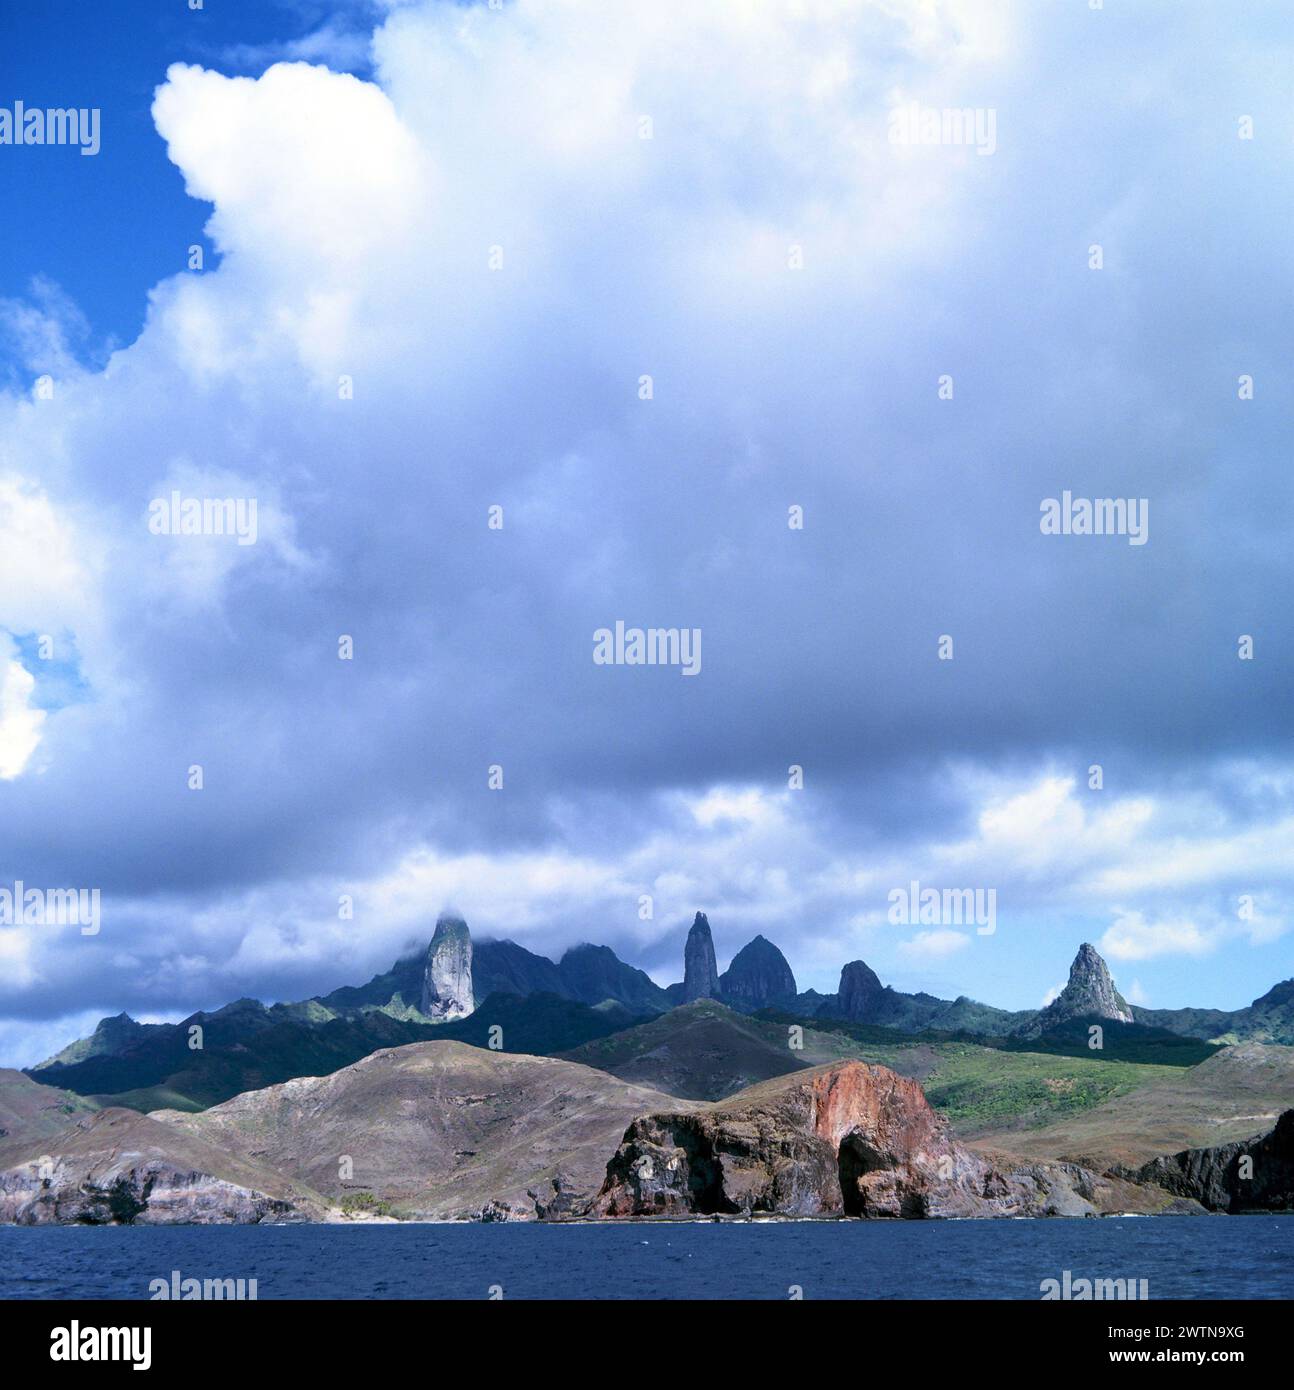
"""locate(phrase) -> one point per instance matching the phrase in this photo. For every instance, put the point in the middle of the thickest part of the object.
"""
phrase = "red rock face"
(845, 1140)
(877, 1101)
(893, 1156)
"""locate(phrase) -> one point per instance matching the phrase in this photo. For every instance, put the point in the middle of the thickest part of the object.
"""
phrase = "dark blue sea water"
(1182, 1258)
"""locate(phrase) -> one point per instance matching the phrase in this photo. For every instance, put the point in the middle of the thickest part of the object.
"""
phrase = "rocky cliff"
(1250, 1175)
(757, 978)
(594, 974)
(503, 967)
(700, 970)
(117, 1167)
(848, 1139)
(1089, 993)
(860, 992)
(447, 976)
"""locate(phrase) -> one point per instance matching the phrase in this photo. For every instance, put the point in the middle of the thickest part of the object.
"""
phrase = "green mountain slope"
(247, 1046)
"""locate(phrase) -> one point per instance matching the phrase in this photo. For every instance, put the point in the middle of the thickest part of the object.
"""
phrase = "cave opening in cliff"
(705, 1176)
(855, 1158)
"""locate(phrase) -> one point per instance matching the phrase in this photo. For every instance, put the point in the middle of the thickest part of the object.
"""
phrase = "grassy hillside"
(984, 1090)
(249, 1047)
(31, 1113)
(1235, 1094)
(437, 1129)
(704, 1051)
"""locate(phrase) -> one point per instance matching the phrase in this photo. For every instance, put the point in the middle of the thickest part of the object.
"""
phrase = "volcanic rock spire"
(1090, 993)
(758, 976)
(860, 991)
(447, 975)
(700, 970)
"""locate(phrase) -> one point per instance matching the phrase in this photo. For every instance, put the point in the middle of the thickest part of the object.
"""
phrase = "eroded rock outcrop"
(1251, 1175)
(700, 969)
(594, 974)
(860, 993)
(117, 1167)
(849, 1139)
(1089, 993)
(150, 1194)
(447, 976)
(759, 976)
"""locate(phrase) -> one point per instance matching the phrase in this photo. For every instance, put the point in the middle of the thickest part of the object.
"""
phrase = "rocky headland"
(847, 1139)
(1249, 1175)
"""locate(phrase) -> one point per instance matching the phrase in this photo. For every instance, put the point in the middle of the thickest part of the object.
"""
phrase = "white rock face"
(447, 978)
(149, 1194)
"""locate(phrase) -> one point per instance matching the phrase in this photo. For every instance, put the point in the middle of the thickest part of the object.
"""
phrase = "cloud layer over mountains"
(483, 244)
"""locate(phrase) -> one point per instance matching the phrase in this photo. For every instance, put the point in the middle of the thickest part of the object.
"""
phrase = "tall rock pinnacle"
(860, 991)
(700, 970)
(447, 976)
(1090, 993)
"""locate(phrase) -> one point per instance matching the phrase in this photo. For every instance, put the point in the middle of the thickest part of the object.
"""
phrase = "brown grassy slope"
(704, 1051)
(30, 1112)
(436, 1129)
(1233, 1095)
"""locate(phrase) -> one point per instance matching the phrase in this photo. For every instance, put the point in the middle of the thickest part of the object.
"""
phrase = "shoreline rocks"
(117, 1167)
(848, 1139)
(1246, 1176)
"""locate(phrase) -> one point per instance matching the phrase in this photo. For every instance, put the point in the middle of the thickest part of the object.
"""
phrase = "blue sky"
(437, 271)
(107, 229)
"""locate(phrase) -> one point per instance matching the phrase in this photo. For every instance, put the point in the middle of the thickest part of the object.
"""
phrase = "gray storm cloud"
(441, 293)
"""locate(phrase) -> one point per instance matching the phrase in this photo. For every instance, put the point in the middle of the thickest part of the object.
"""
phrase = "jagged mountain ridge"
(248, 1045)
(588, 994)
(1267, 1020)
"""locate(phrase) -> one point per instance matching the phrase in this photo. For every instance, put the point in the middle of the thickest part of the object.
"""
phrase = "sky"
(517, 323)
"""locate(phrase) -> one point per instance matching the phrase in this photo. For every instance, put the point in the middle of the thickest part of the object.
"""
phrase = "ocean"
(1178, 1257)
